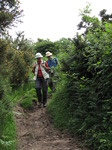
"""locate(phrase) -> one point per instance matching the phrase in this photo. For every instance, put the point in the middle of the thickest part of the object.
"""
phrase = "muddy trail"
(35, 131)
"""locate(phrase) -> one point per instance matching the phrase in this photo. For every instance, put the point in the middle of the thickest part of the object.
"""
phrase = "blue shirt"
(52, 62)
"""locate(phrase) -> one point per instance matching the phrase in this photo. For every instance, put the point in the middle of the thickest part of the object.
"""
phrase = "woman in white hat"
(41, 76)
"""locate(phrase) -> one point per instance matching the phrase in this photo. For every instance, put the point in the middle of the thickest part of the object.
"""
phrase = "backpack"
(55, 61)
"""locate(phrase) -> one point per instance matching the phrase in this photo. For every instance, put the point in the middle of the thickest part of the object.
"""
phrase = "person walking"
(52, 63)
(41, 76)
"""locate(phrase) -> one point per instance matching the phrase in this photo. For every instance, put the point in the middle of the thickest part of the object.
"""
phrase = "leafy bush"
(7, 124)
(43, 46)
(8, 135)
(87, 94)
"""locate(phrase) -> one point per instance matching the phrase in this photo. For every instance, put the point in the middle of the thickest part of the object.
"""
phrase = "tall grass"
(8, 137)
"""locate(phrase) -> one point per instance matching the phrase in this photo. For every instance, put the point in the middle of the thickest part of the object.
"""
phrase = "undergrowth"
(8, 138)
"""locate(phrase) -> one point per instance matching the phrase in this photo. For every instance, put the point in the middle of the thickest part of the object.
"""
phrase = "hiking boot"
(39, 105)
(44, 105)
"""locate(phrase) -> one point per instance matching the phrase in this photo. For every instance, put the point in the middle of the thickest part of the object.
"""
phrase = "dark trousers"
(51, 82)
(41, 84)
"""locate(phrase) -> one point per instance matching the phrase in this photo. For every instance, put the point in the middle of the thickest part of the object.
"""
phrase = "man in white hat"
(41, 76)
(52, 63)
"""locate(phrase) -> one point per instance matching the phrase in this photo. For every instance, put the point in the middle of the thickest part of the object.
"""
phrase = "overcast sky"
(54, 19)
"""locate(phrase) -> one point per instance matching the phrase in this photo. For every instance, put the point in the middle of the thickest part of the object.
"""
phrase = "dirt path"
(36, 132)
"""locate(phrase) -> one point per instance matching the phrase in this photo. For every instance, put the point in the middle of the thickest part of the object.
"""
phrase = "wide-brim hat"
(48, 54)
(38, 55)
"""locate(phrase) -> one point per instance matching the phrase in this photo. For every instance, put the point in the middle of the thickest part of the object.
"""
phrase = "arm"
(33, 68)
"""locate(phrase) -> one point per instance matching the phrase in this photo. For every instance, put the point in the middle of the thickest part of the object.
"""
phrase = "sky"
(55, 19)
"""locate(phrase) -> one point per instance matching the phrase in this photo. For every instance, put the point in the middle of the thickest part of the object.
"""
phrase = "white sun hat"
(48, 54)
(38, 55)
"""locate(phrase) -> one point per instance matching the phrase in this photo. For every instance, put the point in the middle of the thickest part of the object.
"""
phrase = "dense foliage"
(83, 104)
(15, 60)
(43, 46)
(9, 14)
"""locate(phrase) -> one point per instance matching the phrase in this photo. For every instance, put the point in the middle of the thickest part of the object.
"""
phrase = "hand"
(33, 68)
(43, 65)
(34, 65)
